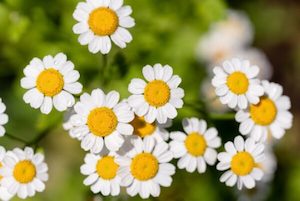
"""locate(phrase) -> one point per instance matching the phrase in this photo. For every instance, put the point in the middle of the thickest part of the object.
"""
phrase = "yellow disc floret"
(141, 127)
(144, 166)
(24, 171)
(107, 168)
(157, 93)
(0, 168)
(242, 163)
(102, 121)
(50, 82)
(238, 82)
(103, 21)
(195, 144)
(263, 113)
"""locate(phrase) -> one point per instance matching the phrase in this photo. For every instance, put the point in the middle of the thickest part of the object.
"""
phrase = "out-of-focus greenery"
(166, 32)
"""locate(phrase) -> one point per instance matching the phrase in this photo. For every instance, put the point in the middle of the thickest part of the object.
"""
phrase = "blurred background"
(192, 36)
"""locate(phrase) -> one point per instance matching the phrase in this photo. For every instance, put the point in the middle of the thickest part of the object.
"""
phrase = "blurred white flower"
(196, 147)
(4, 195)
(100, 21)
(3, 118)
(51, 82)
(268, 165)
(159, 97)
(241, 158)
(24, 172)
(268, 118)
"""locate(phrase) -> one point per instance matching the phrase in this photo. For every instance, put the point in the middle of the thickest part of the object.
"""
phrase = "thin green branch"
(12, 137)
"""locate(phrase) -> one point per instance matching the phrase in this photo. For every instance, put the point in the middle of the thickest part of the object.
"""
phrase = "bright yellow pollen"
(144, 166)
(238, 83)
(103, 21)
(50, 82)
(242, 163)
(24, 171)
(107, 168)
(157, 93)
(263, 113)
(102, 121)
(195, 144)
(141, 127)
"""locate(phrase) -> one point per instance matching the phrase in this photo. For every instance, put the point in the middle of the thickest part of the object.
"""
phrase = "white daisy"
(100, 21)
(269, 117)
(236, 84)
(241, 158)
(100, 120)
(4, 195)
(51, 81)
(155, 130)
(24, 172)
(196, 146)
(160, 97)
(102, 171)
(146, 168)
(3, 118)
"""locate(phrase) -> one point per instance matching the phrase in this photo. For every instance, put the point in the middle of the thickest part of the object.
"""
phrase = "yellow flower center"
(103, 21)
(107, 168)
(242, 163)
(50, 82)
(238, 83)
(141, 127)
(157, 93)
(195, 144)
(144, 166)
(263, 113)
(24, 171)
(102, 121)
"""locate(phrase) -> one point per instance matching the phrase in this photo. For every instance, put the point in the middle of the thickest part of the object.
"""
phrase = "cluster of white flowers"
(263, 114)
(228, 38)
(128, 142)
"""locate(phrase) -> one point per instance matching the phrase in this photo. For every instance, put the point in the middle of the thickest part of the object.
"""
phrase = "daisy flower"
(146, 168)
(100, 21)
(236, 84)
(4, 195)
(3, 118)
(196, 146)
(158, 98)
(242, 159)
(51, 81)
(269, 117)
(102, 173)
(100, 120)
(24, 172)
(155, 130)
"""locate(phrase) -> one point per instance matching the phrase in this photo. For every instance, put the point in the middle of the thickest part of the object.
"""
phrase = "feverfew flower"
(158, 98)
(51, 82)
(4, 195)
(242, 159)
(196, 146)
(155, 130)
(146, 168)
(100, 120)
(102, 173)
(100, 21)
(269, 117)
(3, 118)
(24, 172)
(236, 84)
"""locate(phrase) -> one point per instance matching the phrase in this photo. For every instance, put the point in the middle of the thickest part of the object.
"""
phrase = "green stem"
(15, 138)
(104, 69)
(226, 116)
(39, 138)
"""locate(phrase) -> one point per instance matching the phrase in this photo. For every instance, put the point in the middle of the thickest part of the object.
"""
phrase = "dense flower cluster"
(128, 142)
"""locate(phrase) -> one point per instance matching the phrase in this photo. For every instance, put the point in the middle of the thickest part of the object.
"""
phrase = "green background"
(166, 32)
